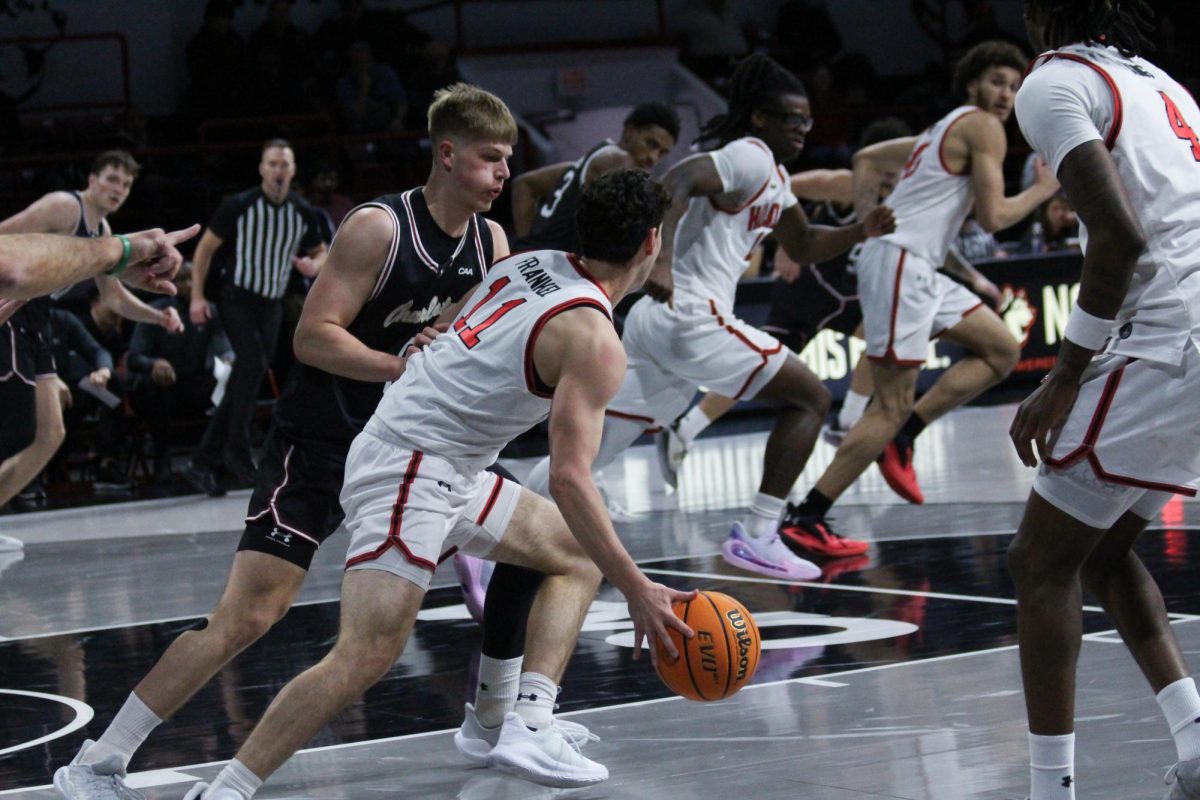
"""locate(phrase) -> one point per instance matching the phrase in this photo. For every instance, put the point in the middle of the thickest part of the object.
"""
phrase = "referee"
(262, 229)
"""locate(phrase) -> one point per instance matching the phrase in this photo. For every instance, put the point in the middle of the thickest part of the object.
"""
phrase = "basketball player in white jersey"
(685, 335)
(953, 166)
(400, 262)
(534, 339)
(1115, 422)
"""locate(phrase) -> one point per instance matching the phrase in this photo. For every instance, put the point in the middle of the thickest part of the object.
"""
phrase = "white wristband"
(1088, 331)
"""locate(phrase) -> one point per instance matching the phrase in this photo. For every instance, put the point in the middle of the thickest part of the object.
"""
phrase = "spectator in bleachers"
(172, 377)
(215, 62)
(96, 392)
(1055, 227)
(330, 204)
(435, 69)
(370, 96)
(277, 66)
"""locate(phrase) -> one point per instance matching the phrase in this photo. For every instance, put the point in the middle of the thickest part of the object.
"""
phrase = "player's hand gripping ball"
(720, 658)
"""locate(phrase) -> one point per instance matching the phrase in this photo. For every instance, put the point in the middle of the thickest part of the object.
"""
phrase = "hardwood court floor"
(894, 675)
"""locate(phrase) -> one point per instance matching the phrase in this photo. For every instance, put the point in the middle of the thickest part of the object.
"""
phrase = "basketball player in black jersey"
(544, 199)
(33, 428)
(397, 264)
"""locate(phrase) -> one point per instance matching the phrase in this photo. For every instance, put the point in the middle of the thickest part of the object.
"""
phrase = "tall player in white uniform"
(534, 339)
(685, 335)
(1115, 421)
(954, 165)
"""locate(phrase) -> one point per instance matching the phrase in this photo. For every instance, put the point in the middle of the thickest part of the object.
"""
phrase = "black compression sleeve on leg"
(506, 610)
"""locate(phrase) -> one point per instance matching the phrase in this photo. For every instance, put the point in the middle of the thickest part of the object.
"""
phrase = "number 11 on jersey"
(469, 334)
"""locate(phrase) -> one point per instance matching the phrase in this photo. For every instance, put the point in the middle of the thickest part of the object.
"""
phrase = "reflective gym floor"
(894, 675)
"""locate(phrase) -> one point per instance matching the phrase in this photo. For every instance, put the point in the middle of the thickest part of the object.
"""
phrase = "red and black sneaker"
(809, 535)
(896, 464)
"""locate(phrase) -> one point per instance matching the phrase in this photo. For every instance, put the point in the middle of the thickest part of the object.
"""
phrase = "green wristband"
(124, 262)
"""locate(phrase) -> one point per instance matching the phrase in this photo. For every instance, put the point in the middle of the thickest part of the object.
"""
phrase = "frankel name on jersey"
(541, 283)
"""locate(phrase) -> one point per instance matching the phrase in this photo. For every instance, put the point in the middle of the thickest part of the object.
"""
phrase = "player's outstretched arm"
(873, 166)
(821, 185)
(812, 244)
(579, 353)
(528, 189)
(1115, 242)
(343, 285)
(987, 145)
(35, 264)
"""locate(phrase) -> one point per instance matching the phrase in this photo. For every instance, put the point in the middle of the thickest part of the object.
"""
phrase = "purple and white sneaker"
(766, 556)
(473, 576)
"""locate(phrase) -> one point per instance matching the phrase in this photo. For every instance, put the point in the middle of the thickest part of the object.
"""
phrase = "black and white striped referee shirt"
(259, 239)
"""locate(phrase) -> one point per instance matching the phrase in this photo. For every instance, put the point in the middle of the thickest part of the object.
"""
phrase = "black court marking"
(426, 689)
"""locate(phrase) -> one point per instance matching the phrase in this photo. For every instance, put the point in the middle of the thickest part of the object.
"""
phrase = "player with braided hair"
(684, 335)
(1114, 422)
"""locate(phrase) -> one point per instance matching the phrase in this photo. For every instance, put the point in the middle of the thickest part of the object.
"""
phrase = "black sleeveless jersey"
(554, 223)
(427, 270)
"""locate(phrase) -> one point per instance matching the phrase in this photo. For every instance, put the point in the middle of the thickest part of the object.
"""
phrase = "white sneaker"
(200, 792)
(616, 511)
(1184, 780)
(671, 451)
(10, 545)
(102, 781)
(544, 756)
(475, 742)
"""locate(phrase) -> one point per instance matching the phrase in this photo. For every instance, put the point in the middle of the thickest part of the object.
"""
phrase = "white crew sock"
(852, 408)
(496, 693)
(236, 776)
(1052, 767)
(691, 424)
(125, 734)
(1180, 704)
(535, 699)
(765, 512)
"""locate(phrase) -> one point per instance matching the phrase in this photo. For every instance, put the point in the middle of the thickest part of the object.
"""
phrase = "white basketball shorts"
(673, 351)
(408, 511)
(1131, 441)
(906, 303)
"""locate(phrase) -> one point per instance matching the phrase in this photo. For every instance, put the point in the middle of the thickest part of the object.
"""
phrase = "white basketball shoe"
(101, 781)
(545, 756)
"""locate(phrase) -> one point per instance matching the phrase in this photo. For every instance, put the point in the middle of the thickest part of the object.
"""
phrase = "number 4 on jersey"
(469, 334)
(1180, 127)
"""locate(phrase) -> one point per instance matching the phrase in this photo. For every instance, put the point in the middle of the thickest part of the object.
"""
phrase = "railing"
(465, 48)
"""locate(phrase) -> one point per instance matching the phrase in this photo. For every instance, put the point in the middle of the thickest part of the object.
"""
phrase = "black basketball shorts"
(295, 506)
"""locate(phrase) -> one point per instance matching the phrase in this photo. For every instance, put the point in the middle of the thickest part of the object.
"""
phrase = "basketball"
(721, 658)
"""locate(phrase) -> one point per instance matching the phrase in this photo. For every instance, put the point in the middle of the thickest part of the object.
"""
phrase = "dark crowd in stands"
(352, 93)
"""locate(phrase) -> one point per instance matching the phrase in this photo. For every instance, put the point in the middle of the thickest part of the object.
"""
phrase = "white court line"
(83, 715)
(969, 598)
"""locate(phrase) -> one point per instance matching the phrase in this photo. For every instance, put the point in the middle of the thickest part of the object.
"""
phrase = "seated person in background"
(973, 243)
(1056, 225)
(87, 369)
(369, 95)
(172, 376)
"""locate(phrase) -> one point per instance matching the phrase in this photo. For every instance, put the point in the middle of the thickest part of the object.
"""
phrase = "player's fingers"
(664, 639)
(182, 235)
(638, 636)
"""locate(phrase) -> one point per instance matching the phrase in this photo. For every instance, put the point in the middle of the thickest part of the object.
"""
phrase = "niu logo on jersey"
(764, 216)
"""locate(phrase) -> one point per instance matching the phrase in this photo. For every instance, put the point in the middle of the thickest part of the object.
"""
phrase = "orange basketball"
(720, 658)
